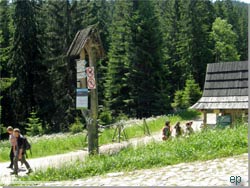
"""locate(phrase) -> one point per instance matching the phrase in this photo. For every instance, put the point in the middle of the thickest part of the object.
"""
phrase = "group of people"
(17, 152)
(167, 131)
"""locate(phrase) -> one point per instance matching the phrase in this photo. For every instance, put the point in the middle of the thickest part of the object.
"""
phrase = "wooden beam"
(93, 127)
(204, 118)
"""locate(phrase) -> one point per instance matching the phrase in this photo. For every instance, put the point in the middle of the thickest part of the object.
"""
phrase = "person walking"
(12, 140)
(178, 131)
(19, 153)
(189, 129)
(166, 131)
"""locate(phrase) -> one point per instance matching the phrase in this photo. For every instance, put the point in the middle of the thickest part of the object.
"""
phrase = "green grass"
(47, 145)
(206, 145)
(156, 125)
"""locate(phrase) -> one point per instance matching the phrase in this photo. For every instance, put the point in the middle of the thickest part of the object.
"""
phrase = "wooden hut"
(225, 90)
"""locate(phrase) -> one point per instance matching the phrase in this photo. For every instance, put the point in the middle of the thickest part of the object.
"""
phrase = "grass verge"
(58, 144)
(48, 145)
(205, 145)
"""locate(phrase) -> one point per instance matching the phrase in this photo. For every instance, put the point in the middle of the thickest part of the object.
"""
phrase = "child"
(166, 132)
(189, 129)
(177, 129)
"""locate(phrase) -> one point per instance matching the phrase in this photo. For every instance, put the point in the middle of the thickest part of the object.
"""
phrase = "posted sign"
(91, 78)
(80, 67)
(223, 121)
(82, 98)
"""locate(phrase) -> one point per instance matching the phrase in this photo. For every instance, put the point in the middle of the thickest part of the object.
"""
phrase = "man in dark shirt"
(19, 153)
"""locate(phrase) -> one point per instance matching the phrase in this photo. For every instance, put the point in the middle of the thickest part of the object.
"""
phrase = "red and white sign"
(90, 72)
(91, 77)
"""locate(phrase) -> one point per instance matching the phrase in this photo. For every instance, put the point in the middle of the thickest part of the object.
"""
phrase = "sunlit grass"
(201, 146)
(62, 143)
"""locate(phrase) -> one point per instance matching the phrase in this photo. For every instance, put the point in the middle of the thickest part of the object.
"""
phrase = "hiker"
(19, 153)
(166, 132)
(189, 129)
(12, 140)
(177, 128)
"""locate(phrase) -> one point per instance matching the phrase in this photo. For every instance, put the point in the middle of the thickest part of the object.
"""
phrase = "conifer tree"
(118, 74)
(149, 75)
(194, 46)
(25, 57)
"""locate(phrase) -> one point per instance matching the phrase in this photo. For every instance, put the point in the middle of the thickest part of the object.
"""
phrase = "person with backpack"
(178, 131)
(166, 131)
(12, 140)
(19, 152)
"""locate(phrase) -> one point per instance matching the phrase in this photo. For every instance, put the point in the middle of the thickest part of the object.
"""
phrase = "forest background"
(155, 62)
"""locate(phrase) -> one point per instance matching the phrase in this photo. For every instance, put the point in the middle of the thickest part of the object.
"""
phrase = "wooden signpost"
(88, 46)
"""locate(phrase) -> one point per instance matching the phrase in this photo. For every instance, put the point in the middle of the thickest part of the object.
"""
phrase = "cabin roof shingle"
(226, 86)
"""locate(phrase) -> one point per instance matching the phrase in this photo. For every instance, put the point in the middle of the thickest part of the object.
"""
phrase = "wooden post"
(119, 131)
(93, 126)
(205, 118)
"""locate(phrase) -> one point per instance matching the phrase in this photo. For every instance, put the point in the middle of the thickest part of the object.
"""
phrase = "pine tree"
(6, 32)
(191, 93)
(194, 45)
(170, 25)
(118, 74)
(149, 75)
(60, 32)
(34, 126)
(178, 100)
(188, 96)
(98, 12)
(5, 35)
(241, 10)
(25, 60)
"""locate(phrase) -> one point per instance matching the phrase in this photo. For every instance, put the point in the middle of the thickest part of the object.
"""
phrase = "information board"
(82, 98)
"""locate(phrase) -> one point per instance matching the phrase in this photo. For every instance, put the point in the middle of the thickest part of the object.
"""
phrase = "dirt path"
(57, 160)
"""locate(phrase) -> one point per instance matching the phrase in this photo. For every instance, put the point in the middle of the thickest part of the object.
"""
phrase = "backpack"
(26, 144)
(166, 131)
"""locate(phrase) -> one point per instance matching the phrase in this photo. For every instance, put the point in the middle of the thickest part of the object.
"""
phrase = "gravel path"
(214, 172)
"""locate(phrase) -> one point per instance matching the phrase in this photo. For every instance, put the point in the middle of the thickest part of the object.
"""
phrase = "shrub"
(77, 126)
(105, 117)
(191, 93)
(183, 99)
(178, 100)
(121, 117)
(34, 125)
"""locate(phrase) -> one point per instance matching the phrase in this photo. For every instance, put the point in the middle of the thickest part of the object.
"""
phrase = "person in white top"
(13, 143)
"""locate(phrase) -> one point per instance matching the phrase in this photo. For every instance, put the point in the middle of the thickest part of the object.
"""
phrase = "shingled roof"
(226, 87)
(81, 39)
